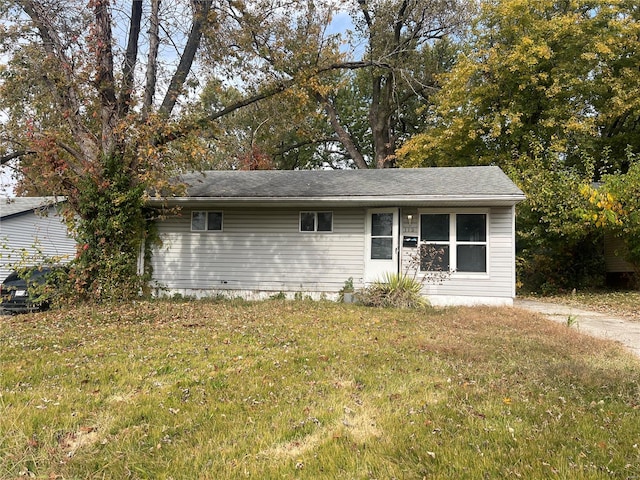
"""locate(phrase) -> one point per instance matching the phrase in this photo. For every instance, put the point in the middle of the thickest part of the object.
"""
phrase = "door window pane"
(472, 258)
(471, 227)
(382, 248)
(382, 224)
(434, 227)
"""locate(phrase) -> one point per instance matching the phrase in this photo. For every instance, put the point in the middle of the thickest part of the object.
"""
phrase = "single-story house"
(258, 233)
(32, 229)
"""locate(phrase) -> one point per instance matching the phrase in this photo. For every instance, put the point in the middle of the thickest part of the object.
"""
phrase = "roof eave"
(48, 205)
(350, 201)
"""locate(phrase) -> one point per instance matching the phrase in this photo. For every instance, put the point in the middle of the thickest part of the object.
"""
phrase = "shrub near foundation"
(394, 290)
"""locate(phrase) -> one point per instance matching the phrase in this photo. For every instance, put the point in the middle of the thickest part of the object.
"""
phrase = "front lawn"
(309, 390)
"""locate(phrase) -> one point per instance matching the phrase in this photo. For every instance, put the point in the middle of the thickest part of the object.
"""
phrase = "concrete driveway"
(593, 323)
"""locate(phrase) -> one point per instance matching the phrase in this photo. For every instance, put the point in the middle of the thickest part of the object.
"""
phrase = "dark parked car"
(24, 291)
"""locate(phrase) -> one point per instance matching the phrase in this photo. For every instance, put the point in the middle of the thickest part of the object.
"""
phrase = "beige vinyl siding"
(262, 250)
(499, 279)
(27, 238)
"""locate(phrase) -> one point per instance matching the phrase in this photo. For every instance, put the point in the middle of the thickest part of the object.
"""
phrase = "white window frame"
(206, 222)
(315, 221)
(453, 240)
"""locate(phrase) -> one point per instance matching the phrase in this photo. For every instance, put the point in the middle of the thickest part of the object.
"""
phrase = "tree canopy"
(353, 95)
(557, 76)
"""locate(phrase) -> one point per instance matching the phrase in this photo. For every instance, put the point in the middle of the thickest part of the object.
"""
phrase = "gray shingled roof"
(374, 187)
(18, 205)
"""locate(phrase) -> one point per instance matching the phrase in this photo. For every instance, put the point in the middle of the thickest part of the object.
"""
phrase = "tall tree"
(96, 110)
(367, 83)
(402, 39)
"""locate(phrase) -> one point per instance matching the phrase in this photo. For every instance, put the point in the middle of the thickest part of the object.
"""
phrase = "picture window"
(453, 242)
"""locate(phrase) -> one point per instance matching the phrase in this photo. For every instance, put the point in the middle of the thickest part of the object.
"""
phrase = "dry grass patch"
(624, 304)
(311, 390)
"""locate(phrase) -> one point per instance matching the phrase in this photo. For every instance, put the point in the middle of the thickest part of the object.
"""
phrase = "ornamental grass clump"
(394, 290)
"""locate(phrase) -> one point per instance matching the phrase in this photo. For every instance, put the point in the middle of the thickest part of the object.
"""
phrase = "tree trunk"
(152, 59)
(380, 119)
(104, 78)
(201, 12)
(344, 136)
(130, 59)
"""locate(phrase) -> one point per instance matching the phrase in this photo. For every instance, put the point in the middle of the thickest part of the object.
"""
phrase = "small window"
(316, 221)
(206, 221)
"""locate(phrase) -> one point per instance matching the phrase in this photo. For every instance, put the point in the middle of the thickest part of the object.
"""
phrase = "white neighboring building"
(31, 229)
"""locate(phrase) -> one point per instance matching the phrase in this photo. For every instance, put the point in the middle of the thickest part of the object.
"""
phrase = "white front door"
(381, 248)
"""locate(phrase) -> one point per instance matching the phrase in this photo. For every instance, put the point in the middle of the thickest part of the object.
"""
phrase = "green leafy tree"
(614, 208)
(558, 75)
(557, 249)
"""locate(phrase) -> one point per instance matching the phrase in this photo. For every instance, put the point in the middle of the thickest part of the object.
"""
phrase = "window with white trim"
(205, 221)
(454, 242)
(316, 221)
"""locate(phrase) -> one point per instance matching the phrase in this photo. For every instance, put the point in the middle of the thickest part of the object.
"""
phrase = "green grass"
(309, 390)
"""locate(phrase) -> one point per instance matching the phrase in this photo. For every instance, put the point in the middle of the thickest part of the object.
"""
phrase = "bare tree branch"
(13, 155)
(343, 135)
(273, 90)
(295, 146)
(365, 12)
